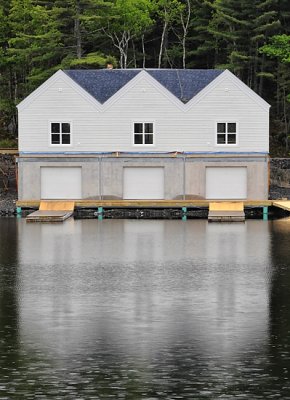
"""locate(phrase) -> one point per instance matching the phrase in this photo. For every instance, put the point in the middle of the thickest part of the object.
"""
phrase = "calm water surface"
(130, 309)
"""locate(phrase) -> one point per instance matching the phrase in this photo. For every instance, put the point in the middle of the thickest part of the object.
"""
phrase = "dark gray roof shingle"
(182, 83)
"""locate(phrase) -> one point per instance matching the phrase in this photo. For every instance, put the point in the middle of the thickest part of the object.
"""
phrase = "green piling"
(184, 213)
(100, 213)
(265, 213)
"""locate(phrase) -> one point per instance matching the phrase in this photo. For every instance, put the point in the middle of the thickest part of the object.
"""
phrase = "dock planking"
(218, 206)
(284, 204)
(146, 203)
(49, 216)
(52, 211)
(226, 212)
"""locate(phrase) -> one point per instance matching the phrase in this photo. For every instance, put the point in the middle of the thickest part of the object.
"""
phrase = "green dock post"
(100, 213)
(184, 213)
(18, 210)
(265, 213)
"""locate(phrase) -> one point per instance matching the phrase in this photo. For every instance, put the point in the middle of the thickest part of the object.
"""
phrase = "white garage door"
(61, 183)
(226, 183)
(143, 183)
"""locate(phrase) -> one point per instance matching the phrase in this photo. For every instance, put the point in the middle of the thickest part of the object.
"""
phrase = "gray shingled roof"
(182, 83)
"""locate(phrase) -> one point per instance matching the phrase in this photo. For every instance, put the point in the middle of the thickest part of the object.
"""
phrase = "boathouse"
(143, 134)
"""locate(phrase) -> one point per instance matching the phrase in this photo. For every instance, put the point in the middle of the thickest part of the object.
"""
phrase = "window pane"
(65, 127)
(55, 127)
(138, 139)
(221, 139)
(221, 127)
(148, 139)
(138, 128)
(55, 138)
(231, 127)
(65, 138)
(149, 127)
(232, 138)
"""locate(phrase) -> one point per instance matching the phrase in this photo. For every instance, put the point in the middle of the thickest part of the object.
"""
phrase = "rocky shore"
(8, 202)
(277, 192)
(8, 198)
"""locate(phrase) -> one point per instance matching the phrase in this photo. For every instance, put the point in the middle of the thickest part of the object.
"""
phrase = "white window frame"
(226, 133)
(50, 133)
(143, 122)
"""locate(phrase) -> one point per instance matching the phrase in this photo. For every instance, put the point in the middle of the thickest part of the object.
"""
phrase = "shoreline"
(8, 202)
(8, 199)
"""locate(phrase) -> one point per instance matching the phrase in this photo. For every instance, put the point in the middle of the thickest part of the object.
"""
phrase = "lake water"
(133, 309)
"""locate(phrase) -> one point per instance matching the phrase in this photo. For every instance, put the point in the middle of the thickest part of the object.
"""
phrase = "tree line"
(249, 37)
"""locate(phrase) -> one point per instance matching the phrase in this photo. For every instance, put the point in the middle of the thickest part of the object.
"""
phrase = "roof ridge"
(184, 84)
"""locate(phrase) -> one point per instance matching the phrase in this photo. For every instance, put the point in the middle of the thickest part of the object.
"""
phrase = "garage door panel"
(226, 183)
(61, 182)
(143, 183)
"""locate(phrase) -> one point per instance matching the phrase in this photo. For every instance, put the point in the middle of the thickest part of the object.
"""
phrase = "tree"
(33, 45)
(279, 48)
(167, 11)
(183, 21)
(202, 43)
(127, 20)
(7, 107)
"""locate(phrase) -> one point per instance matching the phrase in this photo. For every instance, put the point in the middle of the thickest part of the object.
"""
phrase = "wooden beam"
(146, 203)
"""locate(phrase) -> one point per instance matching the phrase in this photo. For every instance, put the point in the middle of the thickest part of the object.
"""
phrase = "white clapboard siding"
(109, 127)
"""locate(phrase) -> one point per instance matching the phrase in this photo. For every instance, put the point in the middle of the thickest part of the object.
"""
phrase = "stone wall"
(279, 178)
(280, 172)
(7, 172)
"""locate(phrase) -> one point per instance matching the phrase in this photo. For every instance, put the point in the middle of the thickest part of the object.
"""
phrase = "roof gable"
(184, 83)
(102, 84)
(59, 75)
(184, 87)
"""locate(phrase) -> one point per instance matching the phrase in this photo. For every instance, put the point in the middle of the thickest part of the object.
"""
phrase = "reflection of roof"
(182, 83)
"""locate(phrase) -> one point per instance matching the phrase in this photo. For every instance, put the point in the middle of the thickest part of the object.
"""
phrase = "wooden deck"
(146, 203)
(284, 204)
(226, 212)
(218, 210)
(52, 211)
(49, 216)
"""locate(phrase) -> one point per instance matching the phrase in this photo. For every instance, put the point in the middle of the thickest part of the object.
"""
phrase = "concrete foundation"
(102, 176)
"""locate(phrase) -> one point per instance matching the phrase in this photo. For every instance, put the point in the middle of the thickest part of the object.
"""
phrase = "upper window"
(60, 133)
(226, 133)
(143, 133)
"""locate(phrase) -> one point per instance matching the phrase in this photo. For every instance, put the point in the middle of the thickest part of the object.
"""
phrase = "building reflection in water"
(138, 288)
(279, 304)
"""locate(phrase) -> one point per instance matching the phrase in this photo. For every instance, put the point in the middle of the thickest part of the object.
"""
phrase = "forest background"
(249, 37)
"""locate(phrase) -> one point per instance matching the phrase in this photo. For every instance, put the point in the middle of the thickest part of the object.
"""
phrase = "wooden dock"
(52, 211)
(284, 204)
(226, 212)
(144, 203)
(236, 211)
(49, 216)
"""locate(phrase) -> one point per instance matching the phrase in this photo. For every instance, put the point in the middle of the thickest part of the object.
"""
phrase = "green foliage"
(279, 47)
(249, 37)
(8, 143)
(127, 20)
(91, 60)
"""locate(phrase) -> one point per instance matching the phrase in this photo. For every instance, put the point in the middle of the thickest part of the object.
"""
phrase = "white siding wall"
(111, 129)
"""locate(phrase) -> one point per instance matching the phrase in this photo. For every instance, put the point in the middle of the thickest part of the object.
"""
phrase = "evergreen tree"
(33, 46)
(127, 20)
(7, 106)
(279, 49)
(202, 43)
